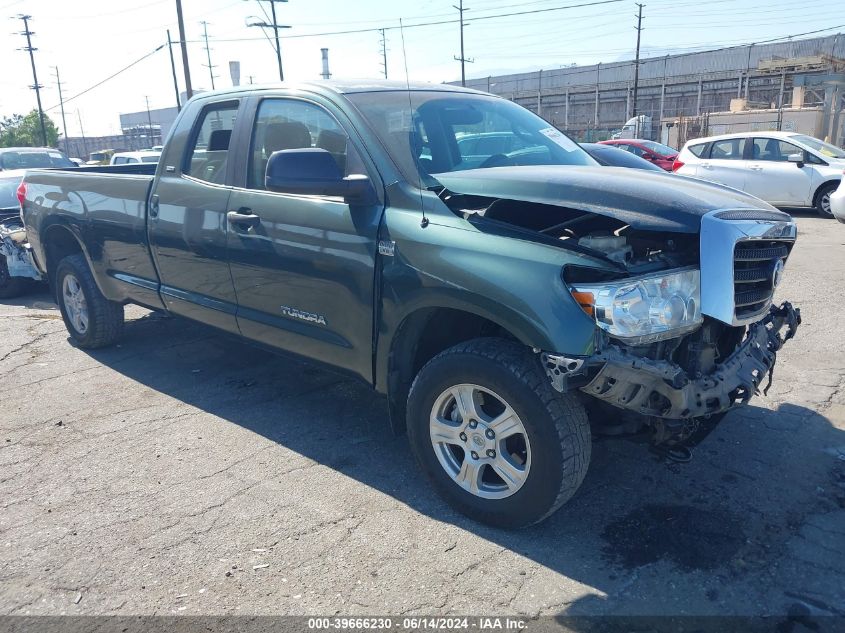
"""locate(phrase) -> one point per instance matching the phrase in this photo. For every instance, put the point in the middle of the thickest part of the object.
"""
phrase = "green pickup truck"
(508, 305)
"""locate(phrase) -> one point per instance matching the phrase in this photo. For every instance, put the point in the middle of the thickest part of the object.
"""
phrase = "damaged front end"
(663, 389)
(15, 251)
(679, 280)
(673, 352)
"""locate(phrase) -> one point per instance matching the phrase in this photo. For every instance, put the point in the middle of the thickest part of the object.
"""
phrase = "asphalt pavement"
(183, 472)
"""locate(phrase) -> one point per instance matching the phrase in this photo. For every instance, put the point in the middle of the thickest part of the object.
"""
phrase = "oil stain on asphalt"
(691, 538)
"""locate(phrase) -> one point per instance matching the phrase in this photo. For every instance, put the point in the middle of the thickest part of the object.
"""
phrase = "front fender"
(514, 283)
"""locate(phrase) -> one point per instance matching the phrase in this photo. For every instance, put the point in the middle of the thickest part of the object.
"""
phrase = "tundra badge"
(319, 319)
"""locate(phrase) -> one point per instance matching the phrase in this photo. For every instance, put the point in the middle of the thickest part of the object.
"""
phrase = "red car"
(661, 155)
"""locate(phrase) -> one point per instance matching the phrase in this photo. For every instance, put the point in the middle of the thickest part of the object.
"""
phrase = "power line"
(35, 85)
(423, 24)
(112, 76)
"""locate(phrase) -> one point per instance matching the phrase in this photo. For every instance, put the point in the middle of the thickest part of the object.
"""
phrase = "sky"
(91, 40)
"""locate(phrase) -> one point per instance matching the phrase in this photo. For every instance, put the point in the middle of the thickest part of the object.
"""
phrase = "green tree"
(25, 131)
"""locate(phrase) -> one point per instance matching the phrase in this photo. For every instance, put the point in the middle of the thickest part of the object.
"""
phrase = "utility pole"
(35, 85)
(173, 68)
(208, 52)
(62, 106)
(275, 26)
(462, 58)
(187, 69)
(383, 52)
(82, 134)
(150, 121)
(637, 58)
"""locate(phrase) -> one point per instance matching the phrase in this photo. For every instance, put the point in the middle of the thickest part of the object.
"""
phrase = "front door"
(773, 178)
(304, 268)
(188, 222)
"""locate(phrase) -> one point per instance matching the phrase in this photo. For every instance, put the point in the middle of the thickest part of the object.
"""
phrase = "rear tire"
(91, 320)
(823, 200)
(532, 444)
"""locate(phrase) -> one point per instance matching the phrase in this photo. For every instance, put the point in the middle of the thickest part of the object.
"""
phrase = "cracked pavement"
(183, 472)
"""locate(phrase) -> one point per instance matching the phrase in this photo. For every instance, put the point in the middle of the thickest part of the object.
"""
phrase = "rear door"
(773, 178)
(725, 163)
(188, 225)
(304, 267)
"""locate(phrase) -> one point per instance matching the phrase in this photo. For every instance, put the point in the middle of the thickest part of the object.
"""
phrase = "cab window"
(208, 153)
(293, 124)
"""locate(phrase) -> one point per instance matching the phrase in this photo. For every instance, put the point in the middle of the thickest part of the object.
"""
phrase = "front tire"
(823, 200)
(498, 443)
(91, 320)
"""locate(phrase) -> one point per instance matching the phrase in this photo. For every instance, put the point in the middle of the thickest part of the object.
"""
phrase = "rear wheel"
(496, 440)
(823, 200)
(91, 319)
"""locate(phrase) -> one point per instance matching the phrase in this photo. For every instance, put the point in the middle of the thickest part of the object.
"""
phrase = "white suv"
(782, 168)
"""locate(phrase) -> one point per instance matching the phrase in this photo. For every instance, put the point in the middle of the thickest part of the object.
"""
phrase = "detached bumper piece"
(662, 389)
(15, 249)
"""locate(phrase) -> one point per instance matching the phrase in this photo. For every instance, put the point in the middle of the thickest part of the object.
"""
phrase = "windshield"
(436, 132)
(658, 148)
(26, 159)
(150, 159)
(825, 149)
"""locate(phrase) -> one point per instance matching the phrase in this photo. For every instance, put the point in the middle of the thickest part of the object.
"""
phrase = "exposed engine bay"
(631, 251)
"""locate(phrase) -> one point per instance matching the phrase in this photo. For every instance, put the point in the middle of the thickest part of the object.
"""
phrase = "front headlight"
(645, 309)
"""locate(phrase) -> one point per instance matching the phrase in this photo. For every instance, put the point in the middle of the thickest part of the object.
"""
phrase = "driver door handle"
(243, 217)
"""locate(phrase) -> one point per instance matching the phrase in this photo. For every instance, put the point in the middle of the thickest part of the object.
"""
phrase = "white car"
(782, 168)
(144, 156)
(837, 201)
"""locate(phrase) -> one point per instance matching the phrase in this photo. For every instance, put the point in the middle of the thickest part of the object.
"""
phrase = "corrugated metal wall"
(674, 85)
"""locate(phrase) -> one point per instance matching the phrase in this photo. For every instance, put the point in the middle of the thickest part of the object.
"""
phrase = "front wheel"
(91, 320)
(823, 200)
(496, 440)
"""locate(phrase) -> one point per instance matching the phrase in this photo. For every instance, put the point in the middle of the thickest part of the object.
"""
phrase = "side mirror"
(798, 159)
(314, 172)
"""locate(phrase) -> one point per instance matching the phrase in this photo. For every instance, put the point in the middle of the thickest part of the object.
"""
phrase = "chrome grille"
(754, 268)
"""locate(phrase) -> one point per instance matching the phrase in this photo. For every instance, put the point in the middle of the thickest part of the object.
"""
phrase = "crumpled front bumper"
(662, 389)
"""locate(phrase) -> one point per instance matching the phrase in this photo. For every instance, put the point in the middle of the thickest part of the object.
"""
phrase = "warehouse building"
(592, 102)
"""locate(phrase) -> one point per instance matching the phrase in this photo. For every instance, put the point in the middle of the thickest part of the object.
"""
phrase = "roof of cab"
(349, 86)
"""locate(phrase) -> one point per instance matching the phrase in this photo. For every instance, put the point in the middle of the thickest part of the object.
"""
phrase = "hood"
(646, 200)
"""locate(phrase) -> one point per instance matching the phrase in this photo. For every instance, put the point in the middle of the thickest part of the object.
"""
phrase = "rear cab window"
(208, 152)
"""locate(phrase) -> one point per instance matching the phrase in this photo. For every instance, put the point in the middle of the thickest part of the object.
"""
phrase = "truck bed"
(106, 207)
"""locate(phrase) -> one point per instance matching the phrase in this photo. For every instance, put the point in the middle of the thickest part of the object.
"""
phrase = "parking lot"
(183, 472)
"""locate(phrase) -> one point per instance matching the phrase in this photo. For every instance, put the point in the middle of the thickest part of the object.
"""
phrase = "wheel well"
(421, 337)
(58, 244)
(821, 188)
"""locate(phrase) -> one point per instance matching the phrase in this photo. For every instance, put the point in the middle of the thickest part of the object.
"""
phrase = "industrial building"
(591, 102)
